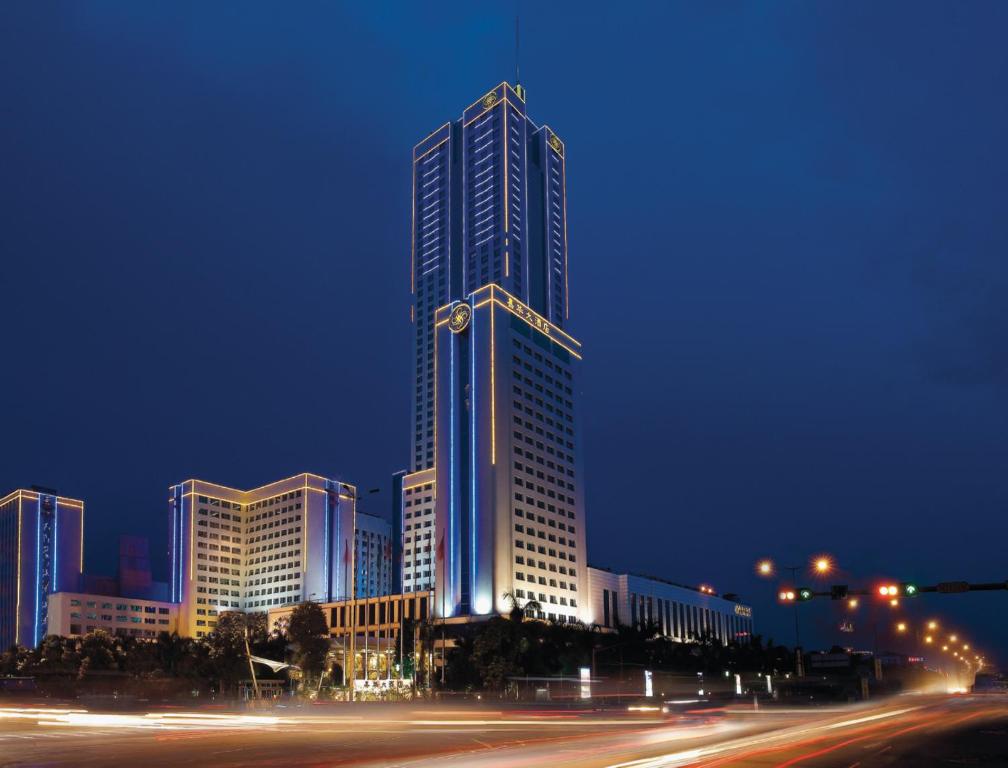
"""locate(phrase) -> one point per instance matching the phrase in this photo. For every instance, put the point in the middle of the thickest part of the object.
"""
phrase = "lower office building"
(251, 550)
(129, 604)
(678, 612)
(74, 613)
(41, 552)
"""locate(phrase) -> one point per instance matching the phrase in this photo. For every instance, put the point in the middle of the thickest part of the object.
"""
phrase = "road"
(916, 731)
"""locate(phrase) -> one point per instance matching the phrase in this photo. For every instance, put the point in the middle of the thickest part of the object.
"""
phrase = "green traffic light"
(805, 593)
(910, 590)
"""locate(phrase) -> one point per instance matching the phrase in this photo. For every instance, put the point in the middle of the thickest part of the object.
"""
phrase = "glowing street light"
(765, 568)
(901, 627)
(932, 625)
(852, 603)
(966, 647)
(953, 638)
(944, 647)
(822, 565)
(929, 639)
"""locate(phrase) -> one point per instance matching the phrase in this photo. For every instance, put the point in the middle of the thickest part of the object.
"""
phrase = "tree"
(226, 646)
(55, 655)
(14, 660)
(97, 653)
(309, 633)
(496, 652)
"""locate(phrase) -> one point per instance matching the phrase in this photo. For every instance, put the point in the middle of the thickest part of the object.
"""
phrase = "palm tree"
(519, 611)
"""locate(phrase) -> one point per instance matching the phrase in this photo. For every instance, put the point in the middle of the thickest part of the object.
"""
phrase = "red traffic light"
(787, 595)
(888, 590)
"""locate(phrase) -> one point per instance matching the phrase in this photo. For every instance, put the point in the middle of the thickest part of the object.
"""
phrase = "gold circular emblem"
(459, 318)
(554, 142)
(489, 100)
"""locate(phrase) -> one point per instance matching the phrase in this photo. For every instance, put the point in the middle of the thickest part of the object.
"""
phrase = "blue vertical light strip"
(55, 568)
(179, 560)
(451, 476)
(328, 544)
(339, 537)
(38, 563)
(174, 544)
(472, 462)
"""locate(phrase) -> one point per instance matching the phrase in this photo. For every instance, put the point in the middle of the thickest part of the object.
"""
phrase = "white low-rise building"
(77, 613)
(678, 612)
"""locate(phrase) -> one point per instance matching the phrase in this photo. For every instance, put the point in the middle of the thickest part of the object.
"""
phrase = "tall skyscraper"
(493, 503)
(41, 552)
(284, 542)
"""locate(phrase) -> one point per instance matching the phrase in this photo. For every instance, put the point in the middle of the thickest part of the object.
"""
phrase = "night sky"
(788, 238)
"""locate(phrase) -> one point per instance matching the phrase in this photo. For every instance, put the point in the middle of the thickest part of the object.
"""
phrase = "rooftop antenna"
(517, 49)
(518, 86)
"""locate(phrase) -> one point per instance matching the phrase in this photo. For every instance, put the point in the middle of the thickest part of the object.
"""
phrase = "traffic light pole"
(799, 661)
(943, 588)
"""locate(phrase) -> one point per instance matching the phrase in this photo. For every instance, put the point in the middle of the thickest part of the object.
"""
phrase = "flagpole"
(443, 590)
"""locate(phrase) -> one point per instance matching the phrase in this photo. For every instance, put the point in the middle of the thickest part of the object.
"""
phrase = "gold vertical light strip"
(493, 396)
(17, 614)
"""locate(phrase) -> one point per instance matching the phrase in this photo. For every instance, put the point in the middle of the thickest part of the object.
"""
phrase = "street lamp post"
(821, 565)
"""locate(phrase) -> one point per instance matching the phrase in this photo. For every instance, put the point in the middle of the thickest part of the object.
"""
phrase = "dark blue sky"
(788, 239)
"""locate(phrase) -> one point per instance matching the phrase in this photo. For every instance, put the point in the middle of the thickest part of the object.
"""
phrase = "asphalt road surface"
(913, 731)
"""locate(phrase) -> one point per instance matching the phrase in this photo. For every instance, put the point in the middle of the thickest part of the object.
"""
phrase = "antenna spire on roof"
(517, 48)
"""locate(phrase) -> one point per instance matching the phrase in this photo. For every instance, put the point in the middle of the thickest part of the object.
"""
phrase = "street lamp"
(852, 603)
(822, 565)
(901, 627)
(932, 625)
(953, 638)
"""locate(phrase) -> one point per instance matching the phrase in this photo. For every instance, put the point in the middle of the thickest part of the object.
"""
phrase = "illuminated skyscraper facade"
(41, 553)
(493, 502)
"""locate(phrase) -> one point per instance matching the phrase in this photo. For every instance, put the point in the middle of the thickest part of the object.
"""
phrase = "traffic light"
(888, 590)
(909, 590)
(804, 594)
(838, 592)
(786, 596)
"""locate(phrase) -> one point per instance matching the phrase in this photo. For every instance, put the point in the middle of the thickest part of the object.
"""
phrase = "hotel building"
(494, 495)
(249, 550)
(41, 552)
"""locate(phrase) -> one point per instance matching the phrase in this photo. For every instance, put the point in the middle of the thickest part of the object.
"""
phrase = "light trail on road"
(403, 736)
